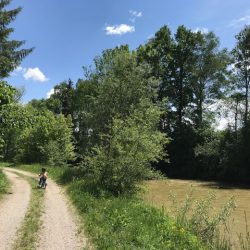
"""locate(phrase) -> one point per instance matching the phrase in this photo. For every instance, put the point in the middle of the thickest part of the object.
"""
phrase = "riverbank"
(159, 194)
(121, 222)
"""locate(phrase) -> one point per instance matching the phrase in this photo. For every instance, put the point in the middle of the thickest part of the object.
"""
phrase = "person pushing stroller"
(43, 176)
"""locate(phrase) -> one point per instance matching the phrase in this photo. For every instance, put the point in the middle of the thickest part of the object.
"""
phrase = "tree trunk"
(246, 97)
(200, 102)
(236, 117)
(180, 97)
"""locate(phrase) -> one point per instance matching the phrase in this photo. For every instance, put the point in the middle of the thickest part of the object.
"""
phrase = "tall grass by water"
(209, 209)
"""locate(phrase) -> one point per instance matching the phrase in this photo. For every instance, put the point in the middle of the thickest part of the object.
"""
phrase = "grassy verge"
(28, 233)
(121, 223)
(4, 184)
(127, 223)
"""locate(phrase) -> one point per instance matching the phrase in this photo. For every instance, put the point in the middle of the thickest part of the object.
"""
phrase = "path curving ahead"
(13, 209)
(59, 225)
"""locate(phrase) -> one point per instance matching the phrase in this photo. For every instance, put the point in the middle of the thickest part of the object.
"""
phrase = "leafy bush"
(29, 135)
(198, 217)
(127, 151)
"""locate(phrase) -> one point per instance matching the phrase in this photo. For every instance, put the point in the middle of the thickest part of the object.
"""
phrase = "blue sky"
(67, 35)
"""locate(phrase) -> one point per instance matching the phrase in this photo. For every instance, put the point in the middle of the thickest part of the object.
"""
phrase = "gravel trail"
(13, 209)
(59, 230)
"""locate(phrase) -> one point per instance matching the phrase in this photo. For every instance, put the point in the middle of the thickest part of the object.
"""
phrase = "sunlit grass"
(4, 184)
(128, 223)
(123, 222)
(233, 231)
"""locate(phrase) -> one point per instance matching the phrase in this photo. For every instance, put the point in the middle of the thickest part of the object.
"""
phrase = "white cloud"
(134, 15)
(51, 92)
(245, 20)
(202, 30)
(35, 74)
(17, 70)
(150, 36)
(119, 29)
(20, 69)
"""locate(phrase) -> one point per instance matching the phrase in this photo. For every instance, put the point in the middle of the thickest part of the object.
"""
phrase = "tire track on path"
(13, 209)
(59, 230)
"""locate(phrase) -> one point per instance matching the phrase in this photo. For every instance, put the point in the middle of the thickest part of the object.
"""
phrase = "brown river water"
(158, 193)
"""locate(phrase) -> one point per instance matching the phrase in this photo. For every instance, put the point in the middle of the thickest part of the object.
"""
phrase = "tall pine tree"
(11, 53)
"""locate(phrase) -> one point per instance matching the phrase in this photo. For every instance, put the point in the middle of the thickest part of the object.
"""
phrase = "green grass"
(123, 222)
(28, 233)
(4, 184)
(127, 223)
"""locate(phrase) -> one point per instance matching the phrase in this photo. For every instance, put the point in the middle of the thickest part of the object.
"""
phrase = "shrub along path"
(59, 227)
(13, 209)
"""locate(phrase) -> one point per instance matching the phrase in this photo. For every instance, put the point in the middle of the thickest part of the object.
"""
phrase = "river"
(158, 193)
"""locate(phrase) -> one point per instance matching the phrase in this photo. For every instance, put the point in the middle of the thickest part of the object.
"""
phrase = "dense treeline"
(196, 75)
(152, 108)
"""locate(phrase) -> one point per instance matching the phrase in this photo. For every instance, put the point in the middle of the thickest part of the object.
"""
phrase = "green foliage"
(127, 151)
(48, 140)
(112, 90)
(241, 54)
(7, 93)
(31, 225)
(14, 119)
(192, 72)
(60, 102)
(235, 155)
(200, 219)
(211, 76)
(10, 56)
(116, 122)
(127, 223)
(33, 136)
(4, 184)
(208, 153)
(84, 106)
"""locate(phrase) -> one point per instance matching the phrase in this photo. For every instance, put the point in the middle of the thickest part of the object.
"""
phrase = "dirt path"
(13, 209)
(59, 230)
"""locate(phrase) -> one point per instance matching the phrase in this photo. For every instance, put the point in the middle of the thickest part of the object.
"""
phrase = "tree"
(83, 116)
(117, 119)
(241, 54)
(14, 119)
(10, 56)
(173, 62)
(235, 102)
(31, 135)
(60, 101)
(124, 157)
(7, 93)
(113, 89)
(38, 104)
(48, 140)
(210, 75)
(192, 72)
